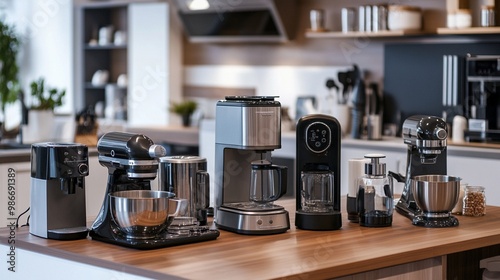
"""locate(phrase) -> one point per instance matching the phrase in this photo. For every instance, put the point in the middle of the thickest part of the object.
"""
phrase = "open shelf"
(105, 47)
(470, 30)
(356, 34)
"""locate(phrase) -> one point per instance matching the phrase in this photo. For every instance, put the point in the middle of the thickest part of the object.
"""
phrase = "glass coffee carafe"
(268, 183)
(317, 191)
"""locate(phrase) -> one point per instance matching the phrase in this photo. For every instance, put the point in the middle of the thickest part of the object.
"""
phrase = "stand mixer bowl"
(141, 214)
(435, 193)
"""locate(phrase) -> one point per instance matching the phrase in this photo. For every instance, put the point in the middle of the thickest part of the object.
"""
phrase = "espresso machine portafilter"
(426, 155)
(58, 172)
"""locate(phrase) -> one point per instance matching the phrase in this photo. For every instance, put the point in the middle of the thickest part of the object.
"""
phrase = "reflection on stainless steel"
(143, 213)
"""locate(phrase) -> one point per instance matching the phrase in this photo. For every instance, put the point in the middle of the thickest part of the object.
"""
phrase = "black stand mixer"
(426, 139)
(132, 162)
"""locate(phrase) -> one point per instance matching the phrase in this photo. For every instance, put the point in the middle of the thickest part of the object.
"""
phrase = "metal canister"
(186, 176)
(348, 19)
(361, 18)
(487, 16)
(379, 18)
(368, 18)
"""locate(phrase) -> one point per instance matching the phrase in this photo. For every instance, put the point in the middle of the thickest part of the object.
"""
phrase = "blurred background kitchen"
(139, 65)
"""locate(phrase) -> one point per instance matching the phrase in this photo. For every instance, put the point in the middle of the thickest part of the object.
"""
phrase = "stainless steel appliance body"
(482, 98)
(318, 173)
(426, 138)
(187, 177)
(58, 172)
(247, 129)
(132, 162)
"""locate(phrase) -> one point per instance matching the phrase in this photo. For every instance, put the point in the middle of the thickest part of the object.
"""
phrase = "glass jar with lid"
(474, 203)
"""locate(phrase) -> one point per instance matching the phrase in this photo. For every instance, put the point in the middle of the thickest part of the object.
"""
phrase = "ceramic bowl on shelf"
(403, 17)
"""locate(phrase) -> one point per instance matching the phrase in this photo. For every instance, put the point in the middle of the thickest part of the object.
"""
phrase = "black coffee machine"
(482, 98)
(426, 139)
(57, 203)
(318, 173)
(132, 162)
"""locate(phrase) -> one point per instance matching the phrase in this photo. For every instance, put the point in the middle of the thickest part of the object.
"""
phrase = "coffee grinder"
(132, 162)
(426, 139)
(318, 173)
(247, 129)
(57, 204)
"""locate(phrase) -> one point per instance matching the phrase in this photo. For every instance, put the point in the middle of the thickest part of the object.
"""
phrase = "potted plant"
(9, 48)
(45, 99)
(184, 109)
(41, 112)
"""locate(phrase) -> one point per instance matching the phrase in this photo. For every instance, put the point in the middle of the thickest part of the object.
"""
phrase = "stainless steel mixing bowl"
(435, 193)
(143, 213)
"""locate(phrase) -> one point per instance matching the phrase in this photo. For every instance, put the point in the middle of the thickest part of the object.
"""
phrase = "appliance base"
(162, 240)
(252, 223)
(423, 221)
(318, 221)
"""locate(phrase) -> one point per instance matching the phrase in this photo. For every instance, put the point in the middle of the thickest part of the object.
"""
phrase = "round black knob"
(83, 169)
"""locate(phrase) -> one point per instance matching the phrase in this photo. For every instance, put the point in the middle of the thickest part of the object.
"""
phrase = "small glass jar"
(474, 203)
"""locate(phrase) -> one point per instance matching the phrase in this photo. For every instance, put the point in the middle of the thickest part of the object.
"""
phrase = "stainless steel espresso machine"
(247, 129)
(426, 139)
(57, 203)
(132, 162)
(482, 98)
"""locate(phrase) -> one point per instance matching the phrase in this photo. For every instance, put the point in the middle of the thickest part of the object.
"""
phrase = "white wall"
(45, 28)
(287, 82)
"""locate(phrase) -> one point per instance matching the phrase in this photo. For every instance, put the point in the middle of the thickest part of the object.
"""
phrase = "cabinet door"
(478, 172)
(20, 177)
(148, 64)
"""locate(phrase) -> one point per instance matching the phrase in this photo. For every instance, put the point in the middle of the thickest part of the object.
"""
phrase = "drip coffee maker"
(132, 162)
(247, 129)
(57, 204)
(318, 173)
(426, 139)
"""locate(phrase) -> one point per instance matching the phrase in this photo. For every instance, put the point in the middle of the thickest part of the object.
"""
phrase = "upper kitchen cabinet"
(127, 67)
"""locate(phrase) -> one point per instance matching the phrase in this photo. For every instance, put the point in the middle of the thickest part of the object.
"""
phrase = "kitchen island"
(403, 249)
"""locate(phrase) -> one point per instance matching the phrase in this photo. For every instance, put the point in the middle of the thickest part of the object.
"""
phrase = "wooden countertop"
(295, 254)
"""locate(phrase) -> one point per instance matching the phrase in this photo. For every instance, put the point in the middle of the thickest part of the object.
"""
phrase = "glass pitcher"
(268, 182)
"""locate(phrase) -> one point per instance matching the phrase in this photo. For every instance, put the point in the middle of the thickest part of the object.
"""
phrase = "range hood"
(233, 21)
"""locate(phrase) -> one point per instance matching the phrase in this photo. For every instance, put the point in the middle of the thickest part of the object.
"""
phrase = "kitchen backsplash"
(287, 82)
